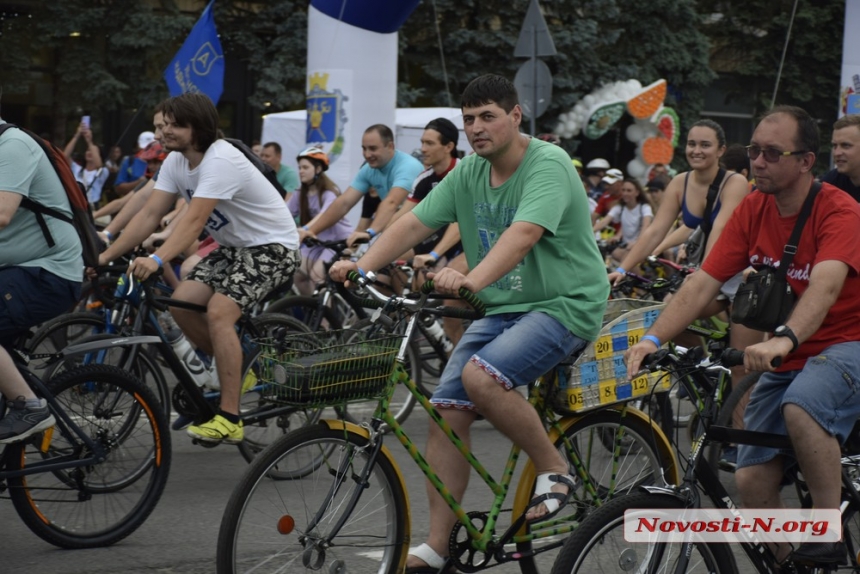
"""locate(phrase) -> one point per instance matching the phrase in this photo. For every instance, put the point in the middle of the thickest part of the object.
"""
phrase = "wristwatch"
(785, 331)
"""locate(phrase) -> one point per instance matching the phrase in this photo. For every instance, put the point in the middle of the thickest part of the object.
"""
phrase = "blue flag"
(199, 64)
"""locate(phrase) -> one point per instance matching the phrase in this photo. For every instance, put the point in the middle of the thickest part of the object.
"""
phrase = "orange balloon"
(648, 101)
(657, 150)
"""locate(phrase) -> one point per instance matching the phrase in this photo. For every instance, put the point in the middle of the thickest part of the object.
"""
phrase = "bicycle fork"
(315, 548)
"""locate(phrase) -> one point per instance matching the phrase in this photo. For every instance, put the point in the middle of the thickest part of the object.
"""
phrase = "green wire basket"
(330, 367)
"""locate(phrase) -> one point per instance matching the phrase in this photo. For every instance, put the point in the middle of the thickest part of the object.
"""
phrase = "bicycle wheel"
(402, 401)
(308, 311)
(616, 454)
(57, 334)
(851, 536)
(99, 504)
(598, 545)
(283, 526)
(275, 419)
(731, 415)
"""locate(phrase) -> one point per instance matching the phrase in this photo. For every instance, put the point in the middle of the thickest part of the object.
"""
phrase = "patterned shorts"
(247, 274)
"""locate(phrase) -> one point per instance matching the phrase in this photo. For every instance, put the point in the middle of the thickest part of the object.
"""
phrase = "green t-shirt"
(563, 275)
(25, 169)
(288, 178)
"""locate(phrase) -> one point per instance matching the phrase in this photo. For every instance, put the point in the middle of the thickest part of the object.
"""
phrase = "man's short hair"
(490, 88)
(808, 137)
(195, 111)
(847, 122)
(736, 158)
(384, 132)
(274, 145)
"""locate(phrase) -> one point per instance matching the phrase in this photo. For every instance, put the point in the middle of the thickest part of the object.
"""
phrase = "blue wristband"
(434, 255)
(108, 234)
(157, 259)
(621, 270)
(362, 273)
(370, 231)
(306, 228)
(653, 339)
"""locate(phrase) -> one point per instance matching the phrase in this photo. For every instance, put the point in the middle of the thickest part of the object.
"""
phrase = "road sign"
(534, 84)
(535, 40)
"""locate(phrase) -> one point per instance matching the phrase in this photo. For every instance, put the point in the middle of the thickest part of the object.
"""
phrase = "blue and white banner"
(199, 64)
(352, 75)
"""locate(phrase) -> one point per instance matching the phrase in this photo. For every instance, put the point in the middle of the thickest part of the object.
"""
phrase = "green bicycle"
(330, 497)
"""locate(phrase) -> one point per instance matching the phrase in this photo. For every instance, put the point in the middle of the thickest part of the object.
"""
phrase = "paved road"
(180, 535)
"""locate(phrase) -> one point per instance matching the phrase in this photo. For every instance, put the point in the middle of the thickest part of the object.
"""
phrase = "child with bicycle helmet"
(316, 193)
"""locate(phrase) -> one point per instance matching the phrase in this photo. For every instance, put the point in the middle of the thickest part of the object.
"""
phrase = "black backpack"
(264, 168)
(82, 215)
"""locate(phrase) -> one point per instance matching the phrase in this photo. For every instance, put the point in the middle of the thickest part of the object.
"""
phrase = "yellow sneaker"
(250, 381)
(217, 430)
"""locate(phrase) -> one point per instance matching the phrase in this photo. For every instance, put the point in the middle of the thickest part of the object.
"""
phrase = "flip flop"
(554, 501)
(434, 562)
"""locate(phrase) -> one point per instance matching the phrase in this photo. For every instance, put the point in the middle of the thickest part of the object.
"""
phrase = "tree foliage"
(117, 60)
(597, 41)
(748, 40)
(271, 39)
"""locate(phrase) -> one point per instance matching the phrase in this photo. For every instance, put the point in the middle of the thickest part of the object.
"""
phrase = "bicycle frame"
(64, 423)
(699, 474)
(482, 538)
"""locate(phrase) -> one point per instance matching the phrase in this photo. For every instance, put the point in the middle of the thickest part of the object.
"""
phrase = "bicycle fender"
(523, 496)
(352, 427)
(105, 343)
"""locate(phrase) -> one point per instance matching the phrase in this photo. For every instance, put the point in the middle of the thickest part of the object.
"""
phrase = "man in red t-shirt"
(813, 396)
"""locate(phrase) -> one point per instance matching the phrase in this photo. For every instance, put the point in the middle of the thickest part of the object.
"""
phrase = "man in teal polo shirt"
(389, 171)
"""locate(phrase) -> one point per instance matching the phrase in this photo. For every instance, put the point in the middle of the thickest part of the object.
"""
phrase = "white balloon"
(636, 168)
(589, 100)
(635, 134)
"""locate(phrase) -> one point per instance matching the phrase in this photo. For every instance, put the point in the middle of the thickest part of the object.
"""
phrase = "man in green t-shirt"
(526, 231)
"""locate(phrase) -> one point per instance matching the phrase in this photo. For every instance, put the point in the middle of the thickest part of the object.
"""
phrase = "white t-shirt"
(93, 180)
(250, 211)
(631, 219)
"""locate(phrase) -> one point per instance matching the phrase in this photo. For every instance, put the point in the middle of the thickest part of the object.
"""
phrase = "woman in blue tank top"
(686, 196)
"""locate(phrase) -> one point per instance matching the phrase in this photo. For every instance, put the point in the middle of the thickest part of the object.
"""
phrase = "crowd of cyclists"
(515, 222)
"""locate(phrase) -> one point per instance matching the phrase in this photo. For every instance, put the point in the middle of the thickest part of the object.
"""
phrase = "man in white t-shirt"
(258, 243)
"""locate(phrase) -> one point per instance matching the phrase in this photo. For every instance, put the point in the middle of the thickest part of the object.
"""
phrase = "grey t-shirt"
(25, 169)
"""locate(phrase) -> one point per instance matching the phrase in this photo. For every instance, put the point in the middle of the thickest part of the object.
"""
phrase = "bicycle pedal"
(205, 443)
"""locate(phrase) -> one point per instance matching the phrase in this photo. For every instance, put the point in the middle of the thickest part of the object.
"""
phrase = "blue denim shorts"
(827, 388)
(513, 348)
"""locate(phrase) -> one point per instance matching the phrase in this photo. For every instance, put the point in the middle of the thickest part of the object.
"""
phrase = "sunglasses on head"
(770, 155)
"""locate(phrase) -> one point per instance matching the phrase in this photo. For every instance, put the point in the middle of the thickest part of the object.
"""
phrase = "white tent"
(289, 128)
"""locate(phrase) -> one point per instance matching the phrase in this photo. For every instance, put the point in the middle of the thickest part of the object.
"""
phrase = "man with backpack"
(241, 210)
(38, 281)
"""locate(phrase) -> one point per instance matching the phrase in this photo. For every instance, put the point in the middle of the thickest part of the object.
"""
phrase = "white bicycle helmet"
(598, 163)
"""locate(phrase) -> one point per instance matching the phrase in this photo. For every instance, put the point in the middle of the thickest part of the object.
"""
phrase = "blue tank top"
(693, 221)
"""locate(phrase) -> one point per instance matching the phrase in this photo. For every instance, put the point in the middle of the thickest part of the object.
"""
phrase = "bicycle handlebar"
(695, 356)
(380, 299)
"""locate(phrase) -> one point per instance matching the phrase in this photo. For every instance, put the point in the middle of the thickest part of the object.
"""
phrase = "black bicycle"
(135, 311)
(599, 544)
(96, 475)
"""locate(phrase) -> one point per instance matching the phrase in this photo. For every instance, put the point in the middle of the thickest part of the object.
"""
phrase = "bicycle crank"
(462, 554)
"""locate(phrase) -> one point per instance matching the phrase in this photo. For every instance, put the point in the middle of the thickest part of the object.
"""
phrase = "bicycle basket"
(330, 367)
(599, 376)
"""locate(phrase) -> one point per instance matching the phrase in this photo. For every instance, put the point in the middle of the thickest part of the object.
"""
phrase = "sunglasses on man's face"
(770, 155)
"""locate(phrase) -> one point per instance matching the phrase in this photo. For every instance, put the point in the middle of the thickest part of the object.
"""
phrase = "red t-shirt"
(756, 234)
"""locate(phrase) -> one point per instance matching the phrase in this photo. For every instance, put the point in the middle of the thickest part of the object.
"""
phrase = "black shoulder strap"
(713, 190)
(791, 247)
